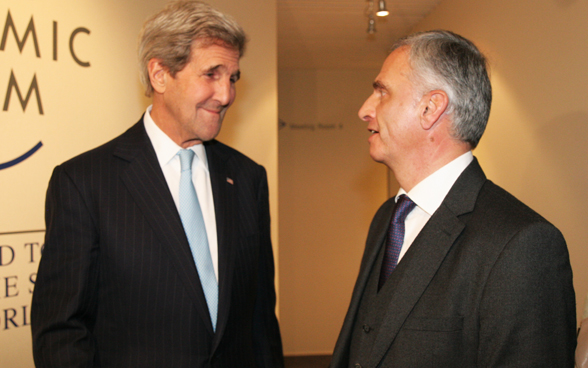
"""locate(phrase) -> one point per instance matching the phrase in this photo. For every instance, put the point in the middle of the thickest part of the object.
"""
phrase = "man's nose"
(224, 91)
(367, 110)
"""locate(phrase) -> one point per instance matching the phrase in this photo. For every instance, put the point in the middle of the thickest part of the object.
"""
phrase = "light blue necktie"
(193, 222)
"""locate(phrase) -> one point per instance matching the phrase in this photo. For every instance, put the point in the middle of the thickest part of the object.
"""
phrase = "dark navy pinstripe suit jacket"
(117, 285)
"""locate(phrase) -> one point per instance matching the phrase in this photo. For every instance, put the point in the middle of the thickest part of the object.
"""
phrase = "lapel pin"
(230, 181)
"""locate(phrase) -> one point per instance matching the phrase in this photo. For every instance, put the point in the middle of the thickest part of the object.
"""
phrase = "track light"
(370, 12)
(382, 11)
(371, 25)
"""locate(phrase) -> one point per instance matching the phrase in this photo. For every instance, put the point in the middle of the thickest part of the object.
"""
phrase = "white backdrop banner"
(68, 83)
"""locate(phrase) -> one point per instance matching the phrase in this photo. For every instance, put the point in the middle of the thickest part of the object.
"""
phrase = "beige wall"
(87, 106)
(329, 191)
(251, 123)
(535, 145)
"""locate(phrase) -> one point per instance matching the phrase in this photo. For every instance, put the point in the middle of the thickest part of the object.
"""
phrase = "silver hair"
(170, 34)
(449, 62)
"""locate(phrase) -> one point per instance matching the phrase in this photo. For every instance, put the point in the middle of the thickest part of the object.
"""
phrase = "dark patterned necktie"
(395, 237)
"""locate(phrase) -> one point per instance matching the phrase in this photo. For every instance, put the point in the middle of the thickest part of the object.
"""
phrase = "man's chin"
(375, 154)
(211, 133)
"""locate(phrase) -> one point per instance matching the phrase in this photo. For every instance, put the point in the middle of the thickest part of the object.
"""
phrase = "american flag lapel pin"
(230, 181)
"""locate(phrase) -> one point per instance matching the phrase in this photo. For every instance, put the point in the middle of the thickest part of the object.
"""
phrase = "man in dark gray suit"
(158, 251)
(458, 273)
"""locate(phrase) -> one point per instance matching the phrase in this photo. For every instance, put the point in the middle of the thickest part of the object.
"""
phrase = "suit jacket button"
(366, 328)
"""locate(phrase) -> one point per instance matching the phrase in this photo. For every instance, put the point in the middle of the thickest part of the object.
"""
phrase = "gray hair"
(449, 62)
(169, 35)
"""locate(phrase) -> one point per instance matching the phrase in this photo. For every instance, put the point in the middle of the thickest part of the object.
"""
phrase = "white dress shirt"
(428, 196)
(169, 160)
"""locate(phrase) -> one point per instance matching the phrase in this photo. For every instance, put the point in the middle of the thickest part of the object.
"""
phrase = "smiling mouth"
(373, 131)
(212, 108)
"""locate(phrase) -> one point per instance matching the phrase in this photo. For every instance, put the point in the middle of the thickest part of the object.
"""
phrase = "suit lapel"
(146, 183)
(225, 207)
(421, 262)
(410, 278)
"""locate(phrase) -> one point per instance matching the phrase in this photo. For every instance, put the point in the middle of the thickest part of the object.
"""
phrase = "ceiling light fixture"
(369, 12)
(382, 11)
(371, 25)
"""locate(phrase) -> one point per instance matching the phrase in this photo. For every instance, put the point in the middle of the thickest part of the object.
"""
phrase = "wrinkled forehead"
(205, 42)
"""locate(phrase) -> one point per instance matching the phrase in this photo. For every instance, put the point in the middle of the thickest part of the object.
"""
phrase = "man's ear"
(158, 75)
(435, 104)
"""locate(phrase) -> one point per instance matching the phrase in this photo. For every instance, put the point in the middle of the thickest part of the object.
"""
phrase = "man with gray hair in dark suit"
(158, 250)
(456, 271)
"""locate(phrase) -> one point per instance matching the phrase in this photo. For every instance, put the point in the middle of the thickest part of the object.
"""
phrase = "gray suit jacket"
(117, 285)
(486, 283)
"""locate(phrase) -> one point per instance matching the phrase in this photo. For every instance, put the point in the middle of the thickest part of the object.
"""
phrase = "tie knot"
(186, 158)
(403, 208)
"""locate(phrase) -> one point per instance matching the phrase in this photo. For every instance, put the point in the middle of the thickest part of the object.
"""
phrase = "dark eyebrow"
(379, 86)
(213, 68)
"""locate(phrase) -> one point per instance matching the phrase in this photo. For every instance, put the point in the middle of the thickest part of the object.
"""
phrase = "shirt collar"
(430, 193)
(165, 148)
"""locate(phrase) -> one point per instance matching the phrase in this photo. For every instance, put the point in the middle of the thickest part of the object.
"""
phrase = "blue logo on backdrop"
(34, 87)
(20, 159)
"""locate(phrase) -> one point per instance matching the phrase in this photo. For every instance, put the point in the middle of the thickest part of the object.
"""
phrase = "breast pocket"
(432, 342)
(444, 324)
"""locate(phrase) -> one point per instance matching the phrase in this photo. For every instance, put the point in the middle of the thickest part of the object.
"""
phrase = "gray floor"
(314, 361)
